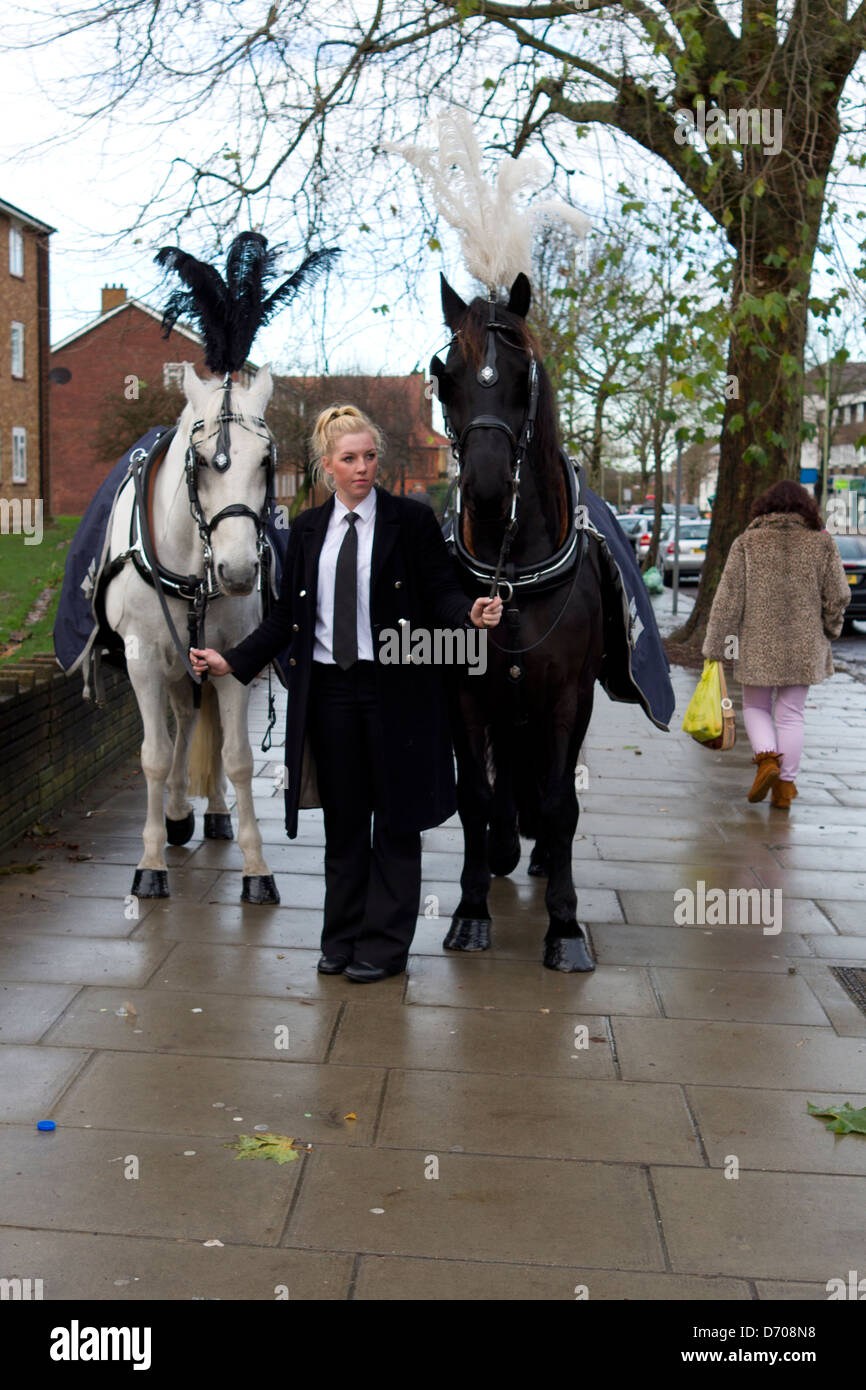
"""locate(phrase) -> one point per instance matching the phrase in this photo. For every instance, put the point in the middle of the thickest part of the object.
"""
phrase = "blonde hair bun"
(330, 427)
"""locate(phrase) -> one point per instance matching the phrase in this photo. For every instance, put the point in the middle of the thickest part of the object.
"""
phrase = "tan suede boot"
(767, 775)
(783, 795)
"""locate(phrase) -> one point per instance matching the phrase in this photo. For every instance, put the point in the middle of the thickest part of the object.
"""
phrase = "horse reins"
(488, 375)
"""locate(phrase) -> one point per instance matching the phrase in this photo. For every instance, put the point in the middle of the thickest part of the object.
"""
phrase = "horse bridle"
(488, 375)
(222, 462)
(198, 589)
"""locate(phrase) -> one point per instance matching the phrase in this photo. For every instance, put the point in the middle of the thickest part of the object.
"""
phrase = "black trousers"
(372, 883)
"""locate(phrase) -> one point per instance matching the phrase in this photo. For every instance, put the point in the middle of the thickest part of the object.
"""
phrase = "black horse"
(518, 728)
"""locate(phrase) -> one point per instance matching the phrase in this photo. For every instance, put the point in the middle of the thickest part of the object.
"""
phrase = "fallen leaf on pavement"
(277, 1146)
(845, 1120)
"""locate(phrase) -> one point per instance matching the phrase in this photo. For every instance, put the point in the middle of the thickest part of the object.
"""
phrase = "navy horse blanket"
(635, 668)
(82, 639)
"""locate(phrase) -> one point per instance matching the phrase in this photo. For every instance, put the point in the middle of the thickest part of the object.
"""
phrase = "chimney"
(112, 295)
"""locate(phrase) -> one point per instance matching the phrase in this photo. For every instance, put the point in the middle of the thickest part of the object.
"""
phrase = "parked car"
(693, 550)
(687, 509)
(639, 528)
(852, 552)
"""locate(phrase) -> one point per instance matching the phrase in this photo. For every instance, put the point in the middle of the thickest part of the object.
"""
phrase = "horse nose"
(238, 579)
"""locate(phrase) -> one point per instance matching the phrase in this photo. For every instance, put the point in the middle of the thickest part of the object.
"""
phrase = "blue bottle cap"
(46, 1124)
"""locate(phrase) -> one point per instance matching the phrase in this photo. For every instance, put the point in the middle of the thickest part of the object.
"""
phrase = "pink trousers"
(786, 735)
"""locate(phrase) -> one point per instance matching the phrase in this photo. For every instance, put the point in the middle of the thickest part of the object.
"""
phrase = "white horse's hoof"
(180, 832)
(218, 826)
(259, 888)
(150, 883)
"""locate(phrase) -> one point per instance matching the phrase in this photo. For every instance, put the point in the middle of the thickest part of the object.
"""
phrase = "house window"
(19, 455)
(16, 250)
(172, 375)
(17, 349)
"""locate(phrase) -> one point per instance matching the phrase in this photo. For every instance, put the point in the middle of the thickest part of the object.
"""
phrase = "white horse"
(196, 765)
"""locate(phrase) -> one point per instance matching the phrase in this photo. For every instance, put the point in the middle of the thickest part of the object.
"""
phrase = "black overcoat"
(411, 579)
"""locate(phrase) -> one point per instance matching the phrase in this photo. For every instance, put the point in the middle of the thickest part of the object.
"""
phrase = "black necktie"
(345, 648)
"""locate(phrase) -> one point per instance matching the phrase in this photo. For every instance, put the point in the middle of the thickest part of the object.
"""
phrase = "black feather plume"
(230, 312)
(307, 272)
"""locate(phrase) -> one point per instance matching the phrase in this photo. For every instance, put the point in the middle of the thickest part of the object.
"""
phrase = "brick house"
(416, 454)
(847, 419)
(24, 394)
(121, 346)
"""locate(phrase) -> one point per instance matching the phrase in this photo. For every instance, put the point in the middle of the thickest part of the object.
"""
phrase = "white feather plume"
(495, 230)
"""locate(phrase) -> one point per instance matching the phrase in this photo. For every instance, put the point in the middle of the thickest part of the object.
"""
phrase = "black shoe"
(332, 965)
(364, 974)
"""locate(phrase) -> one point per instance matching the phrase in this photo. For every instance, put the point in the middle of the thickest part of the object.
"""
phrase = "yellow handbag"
(710, 714)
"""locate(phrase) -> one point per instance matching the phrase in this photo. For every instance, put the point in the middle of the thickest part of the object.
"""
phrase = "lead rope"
(265, 580)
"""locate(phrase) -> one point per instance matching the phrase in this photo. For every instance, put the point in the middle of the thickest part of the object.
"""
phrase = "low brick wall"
(53, 743)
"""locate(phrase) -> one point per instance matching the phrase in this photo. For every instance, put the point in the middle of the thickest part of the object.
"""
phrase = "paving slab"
(106, 881)
(26, 1011)
(53, 916)
(778, 1290)
(540, 1117)
(479, 1208)
(847, 1019)
(657, 909)
(688, 948)
(188, 1186)
(224, 1097)
(774, 1130)
(755, 996)
(260, 970)
(65, 960)
(762, 1225)
(197, 1024)
(241, 924)
(774, 1055)
(848, 918)
(475, 1040)
(31, 1079)
(513, 985)
(126, 1269)
(387, 1278)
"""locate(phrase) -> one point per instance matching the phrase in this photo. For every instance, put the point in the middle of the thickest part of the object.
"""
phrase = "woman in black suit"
(376, 733)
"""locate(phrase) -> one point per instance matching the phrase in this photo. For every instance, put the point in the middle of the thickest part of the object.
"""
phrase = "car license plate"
(853, 580)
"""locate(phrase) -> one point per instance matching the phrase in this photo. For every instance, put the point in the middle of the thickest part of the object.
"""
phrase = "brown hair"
(330, 427)
(788, 496)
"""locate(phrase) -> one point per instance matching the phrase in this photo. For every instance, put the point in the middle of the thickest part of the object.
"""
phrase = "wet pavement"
(482, 1127)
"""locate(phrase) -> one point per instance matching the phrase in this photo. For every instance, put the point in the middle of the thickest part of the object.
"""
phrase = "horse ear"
(521, 296)
(453, 308)
(438, 380)
(261, 389)
(194, 388)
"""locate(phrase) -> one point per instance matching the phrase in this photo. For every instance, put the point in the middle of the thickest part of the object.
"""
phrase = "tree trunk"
(760, 447)
(597, 436)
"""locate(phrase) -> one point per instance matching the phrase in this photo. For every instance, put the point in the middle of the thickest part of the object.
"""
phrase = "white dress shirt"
(334, 537)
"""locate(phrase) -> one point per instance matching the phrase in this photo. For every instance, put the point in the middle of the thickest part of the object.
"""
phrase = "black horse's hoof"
(568, 953)
(468, 934)
(180, 832)
(539, 866)
(259, 888)
(150, 883)
(503, 857)
(218, 826)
